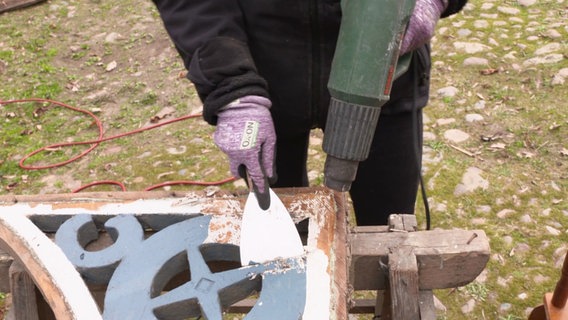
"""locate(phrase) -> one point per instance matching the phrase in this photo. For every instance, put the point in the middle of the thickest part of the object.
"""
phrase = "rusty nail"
(473, 236)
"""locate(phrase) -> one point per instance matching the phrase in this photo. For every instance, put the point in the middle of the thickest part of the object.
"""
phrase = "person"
(261, 69)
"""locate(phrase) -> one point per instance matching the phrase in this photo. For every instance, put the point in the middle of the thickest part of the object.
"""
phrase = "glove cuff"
(248, 101)
(440, 6)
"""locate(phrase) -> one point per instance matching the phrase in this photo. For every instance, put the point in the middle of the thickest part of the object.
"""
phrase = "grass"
(60, 51)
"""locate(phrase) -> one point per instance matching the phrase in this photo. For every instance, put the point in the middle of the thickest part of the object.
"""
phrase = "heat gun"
(365, 64)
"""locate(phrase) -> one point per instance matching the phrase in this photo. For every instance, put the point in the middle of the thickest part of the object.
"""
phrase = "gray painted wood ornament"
(139, 270)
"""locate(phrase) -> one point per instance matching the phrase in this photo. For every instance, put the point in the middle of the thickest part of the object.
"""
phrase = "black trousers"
(386, 183)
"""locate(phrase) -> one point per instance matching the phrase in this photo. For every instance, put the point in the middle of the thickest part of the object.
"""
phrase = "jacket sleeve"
(454, 6)
(210, 38)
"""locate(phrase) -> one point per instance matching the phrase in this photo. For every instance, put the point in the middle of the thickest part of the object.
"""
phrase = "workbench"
(174, 255)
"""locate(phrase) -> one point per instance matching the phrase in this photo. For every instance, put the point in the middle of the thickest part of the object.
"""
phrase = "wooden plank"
(60, 283)
(370, 229)
(362, 306)
(24, 303)
(402, 222)
(446, 258)
(369, 306)
(403, 281)
(6, 5)
(5, 263)
(341, 287)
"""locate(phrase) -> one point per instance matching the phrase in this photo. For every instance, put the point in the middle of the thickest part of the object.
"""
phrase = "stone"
(481, 24)
(463, 33)
(468, 306)
(526, 3)
(504, 307)
(553, 231)
(483, 209)
(444, 122)
(478, 221)
(456, 135)
(439, 305)
(560, 77)
(113, 37)
(473, 117)
(509, 10)
(548, 59)
(471, 47)
(539, 278)
(489, 15)
(448, 91)
(549, 48)
(429, 136)
(471, 181)
(479, 105)
(505, 213)
(474, 61)
(553, 34)
(526, 218)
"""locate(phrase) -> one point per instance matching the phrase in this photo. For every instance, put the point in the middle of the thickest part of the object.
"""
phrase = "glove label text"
(249, 135)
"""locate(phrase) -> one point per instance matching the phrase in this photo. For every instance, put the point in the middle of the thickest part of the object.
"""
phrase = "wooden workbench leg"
(379, 302)
(24, 302)
(403, 281)
(386, 312)
(427, 308)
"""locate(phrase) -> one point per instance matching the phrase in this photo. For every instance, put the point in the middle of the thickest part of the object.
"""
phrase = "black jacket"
(281, 49)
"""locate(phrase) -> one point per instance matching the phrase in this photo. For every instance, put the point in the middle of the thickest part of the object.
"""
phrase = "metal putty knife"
(268, 235)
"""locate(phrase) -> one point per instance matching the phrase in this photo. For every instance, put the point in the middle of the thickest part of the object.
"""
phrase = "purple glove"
(245, 132)
(422, 23)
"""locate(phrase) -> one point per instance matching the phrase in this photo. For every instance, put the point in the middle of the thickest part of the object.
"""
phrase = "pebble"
(505, 213)
(539, 278)
(553, 34)
(553, 231)
(504, 307)
(560, 77)
(527, 3)
(509, 10)
(478, 221)
(444, 122)
(471, 47)
(479, 105)
(429, 136)
(448, 91)
(463, 33)
(471, 181)
(113, 37)
(475, 61)
(473, 117)
(484, 209)
(468, 307)
(548, 59)
(549, 48)
(481, 24)
(439, 305)
(456, 135)
(175, 151)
